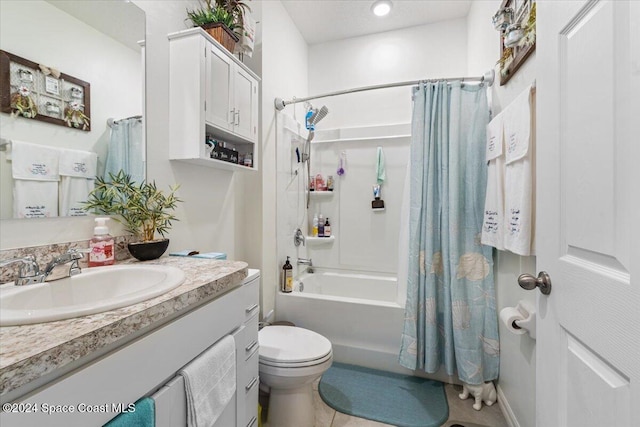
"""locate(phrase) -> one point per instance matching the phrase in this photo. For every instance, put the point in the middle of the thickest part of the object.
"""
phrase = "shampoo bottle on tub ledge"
(102, 245)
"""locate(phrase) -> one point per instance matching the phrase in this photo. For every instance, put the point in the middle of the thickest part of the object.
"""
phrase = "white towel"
(35, 199)
(519, 175)
(76, 163)
(35, 180)
(77, 173)
(210, 382)
(493, 222)
(34, 162)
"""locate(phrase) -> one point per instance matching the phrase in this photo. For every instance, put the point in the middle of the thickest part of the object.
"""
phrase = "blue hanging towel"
(380, 171)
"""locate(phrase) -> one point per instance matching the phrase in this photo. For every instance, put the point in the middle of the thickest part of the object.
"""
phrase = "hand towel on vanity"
(519, 195)
(77, 173)
(493, 222)
(210, 382)
(35, 180)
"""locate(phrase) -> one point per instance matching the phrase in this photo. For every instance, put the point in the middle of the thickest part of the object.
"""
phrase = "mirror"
(97, 41)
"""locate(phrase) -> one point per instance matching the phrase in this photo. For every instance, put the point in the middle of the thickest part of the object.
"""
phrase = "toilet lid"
(289, 344)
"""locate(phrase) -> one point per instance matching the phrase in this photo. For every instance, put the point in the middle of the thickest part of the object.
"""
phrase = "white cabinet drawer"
(248, 385)
(249, 293)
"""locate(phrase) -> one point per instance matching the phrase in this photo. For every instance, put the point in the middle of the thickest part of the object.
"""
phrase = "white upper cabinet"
(245, 110)
(211, 94)
(219, 93)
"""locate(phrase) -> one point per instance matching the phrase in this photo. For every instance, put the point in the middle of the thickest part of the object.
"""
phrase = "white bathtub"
(358, 313)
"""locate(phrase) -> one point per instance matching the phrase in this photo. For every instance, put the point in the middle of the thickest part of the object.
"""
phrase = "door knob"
(529, 282)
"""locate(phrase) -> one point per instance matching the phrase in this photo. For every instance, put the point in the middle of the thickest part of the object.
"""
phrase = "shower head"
(319, 115)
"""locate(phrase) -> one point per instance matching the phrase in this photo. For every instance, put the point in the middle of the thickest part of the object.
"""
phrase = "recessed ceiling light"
(381, 7)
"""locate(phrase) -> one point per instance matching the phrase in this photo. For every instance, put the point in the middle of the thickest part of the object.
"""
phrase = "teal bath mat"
(395, 399)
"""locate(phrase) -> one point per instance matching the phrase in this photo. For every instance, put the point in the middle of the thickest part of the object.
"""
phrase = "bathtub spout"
(308, 262)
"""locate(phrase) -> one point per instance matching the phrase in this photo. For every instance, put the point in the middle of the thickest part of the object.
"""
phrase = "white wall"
(115, 74)
(212, 216)
(517, 352)
(426, 51)
(285, 55)
(365, 239)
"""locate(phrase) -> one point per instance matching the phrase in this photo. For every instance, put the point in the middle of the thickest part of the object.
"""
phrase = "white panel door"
(245, 96)
(220, 111)
(588, 210)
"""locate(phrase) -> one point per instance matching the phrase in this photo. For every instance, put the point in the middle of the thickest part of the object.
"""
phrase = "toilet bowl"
(290, 360)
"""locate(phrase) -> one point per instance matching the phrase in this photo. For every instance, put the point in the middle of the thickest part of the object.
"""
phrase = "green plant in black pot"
(142, 208)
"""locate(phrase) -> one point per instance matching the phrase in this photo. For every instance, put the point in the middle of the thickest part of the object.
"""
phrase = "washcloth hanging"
(381, 174)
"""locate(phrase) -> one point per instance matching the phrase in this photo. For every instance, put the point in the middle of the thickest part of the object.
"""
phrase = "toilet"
(290, 360)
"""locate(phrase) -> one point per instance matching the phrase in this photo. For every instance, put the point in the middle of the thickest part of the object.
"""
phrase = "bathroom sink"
(93, 291)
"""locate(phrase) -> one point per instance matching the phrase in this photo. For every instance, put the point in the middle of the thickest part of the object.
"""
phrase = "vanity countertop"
(32, 351)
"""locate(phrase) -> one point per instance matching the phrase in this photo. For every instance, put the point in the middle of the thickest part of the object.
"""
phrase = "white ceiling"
(325, 20)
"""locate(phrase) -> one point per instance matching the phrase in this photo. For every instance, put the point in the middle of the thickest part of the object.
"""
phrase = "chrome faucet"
(305, 261)
(30, 273)
(72, 256)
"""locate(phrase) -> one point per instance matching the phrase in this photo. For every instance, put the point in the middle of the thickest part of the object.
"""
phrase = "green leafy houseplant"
(228, 12)
(142, 208)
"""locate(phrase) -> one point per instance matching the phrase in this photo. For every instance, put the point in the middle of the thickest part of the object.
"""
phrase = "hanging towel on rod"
(77, 174)
(519, 178)
(493, 222)
(210, 382)
(35, 180)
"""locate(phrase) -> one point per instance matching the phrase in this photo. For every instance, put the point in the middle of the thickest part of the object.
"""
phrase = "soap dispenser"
(101, 244)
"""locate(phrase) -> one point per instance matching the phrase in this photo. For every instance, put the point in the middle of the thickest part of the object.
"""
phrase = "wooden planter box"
(222, 34)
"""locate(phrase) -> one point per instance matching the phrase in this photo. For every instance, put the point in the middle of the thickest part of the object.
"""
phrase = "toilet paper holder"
(529, 322)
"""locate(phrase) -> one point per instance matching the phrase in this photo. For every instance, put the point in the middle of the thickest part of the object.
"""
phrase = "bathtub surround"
(450, 312)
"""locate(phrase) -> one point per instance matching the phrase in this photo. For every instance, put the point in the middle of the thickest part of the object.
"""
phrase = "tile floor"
(461, 413)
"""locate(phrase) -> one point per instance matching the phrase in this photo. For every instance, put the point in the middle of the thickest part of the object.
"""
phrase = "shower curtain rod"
(488, 77)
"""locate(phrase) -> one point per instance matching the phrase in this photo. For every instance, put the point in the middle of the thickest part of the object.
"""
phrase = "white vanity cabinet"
(148, 366)
(210, 93)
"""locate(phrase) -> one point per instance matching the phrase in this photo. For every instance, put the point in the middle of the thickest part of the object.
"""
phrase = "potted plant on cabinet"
(222, 19)
(142, 208)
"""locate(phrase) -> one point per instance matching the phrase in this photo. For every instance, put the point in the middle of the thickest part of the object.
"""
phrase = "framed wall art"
(516, 21)
(34, 91)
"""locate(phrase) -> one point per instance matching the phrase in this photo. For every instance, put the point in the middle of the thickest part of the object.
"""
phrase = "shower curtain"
(450, 312)
(126, 150)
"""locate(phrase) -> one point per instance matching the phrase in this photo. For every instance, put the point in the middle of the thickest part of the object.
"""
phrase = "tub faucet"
(305, 261)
